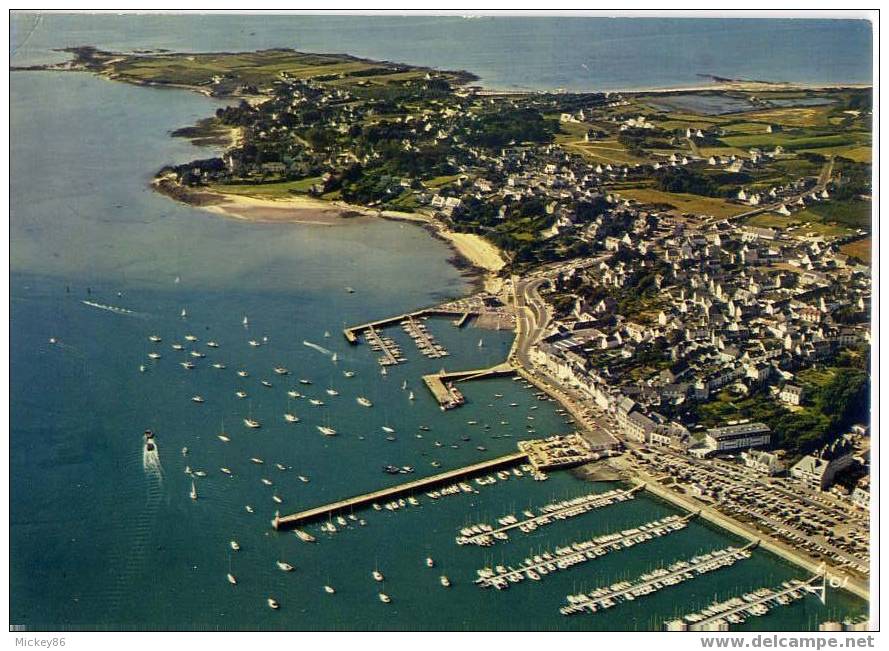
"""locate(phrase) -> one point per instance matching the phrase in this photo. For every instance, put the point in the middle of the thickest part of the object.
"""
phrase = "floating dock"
(347, 505)
(352, 333)
(718, 616)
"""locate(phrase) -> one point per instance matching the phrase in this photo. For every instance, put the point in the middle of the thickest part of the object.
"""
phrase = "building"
(738, 436)
(819, 469)
(791, 394)
(766, 463)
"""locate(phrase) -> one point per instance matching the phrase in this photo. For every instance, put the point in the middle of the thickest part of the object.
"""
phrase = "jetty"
(563, 558)
(352, 333)
(679, 572)
(718, 615)
(485, 535)
(407, 488)
(447, 395)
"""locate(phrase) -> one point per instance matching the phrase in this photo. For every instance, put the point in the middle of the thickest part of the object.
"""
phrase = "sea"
(104, 538)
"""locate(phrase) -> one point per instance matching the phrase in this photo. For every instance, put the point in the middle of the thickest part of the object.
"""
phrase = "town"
(690, 271)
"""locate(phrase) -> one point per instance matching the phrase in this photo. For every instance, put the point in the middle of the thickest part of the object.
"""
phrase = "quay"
(718, 616)
(566, 557)
(447, 395)
(487, 534)
(390, 353)
(353, 332)
(289, 521)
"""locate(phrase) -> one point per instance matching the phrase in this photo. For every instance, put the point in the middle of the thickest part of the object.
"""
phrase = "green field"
(851, 214)
(690, 203)
(860, 249)
(279, 190)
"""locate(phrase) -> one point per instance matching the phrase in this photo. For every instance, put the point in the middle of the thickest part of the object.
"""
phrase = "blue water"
(576, 53)
(99, 542)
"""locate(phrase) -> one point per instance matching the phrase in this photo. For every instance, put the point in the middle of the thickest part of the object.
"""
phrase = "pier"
(347, 505)
(448, 396)
(656, 580)
(425, 342)
(353, 332)
(486, 535)
(718, 616)
(391, 353)
(564, 558)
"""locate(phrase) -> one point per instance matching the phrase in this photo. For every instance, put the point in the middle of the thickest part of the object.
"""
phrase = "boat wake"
(320, 349)
(151, 464)
(110, 308)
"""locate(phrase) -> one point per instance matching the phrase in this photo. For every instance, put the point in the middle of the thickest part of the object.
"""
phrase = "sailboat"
(333, 358)
(481, 343)
(410, 395)
(193, 494)
(183, 314)
(383, 370)
(245, 321)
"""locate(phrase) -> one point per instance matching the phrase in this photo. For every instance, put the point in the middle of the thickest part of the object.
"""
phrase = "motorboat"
(266, 383)
(378, 576)
(225, 471)
(284, 567)
(272, 603)
(154, 339)
(385, 598)
(445, 581)
(193, 493)
(196, 353)
(218, 365)
(257, 460)
(187, 365)
(364, 402)
(177, 347)
(388, 430)
(191, 338)
(254, 343)
(316, 402)
(241, 394)
(231, 578)
(280, 370)
(327, 431)
(248, 508)
(305, 536)
(267, 482)
(234, 545)
(277, 499)
(290, 418)
(349, 373)
(304, 381)
(252, 424)
(212, 344)
(242, 374)
(332, 392)
(294, 394)
(154, 355)
(329, 590)
(430, 562)
(197, 399)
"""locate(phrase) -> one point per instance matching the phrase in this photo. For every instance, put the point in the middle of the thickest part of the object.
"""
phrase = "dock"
(407, 488)
(353, 332)
(717, 616)
(442, 384)
(564, 558)
(487, 534)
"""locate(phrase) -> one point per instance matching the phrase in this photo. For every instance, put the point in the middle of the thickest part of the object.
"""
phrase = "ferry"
(290, 418)
(280, 370)
(284, 567)
(329, 590)
(234, 545)
(332, 392)
(364, 402)
(218, 365)
(327, 431)
(231, 578)
(252, 424)
(191, 338)
(193, 494)
(187, 365)
(272, 603)
(445, 581)
(154, 339)
(212, 344)
(305, 536)
(154, 355)
(241, 394)
(197, 399)
(385, 598)
(242, 374)
(254, 343)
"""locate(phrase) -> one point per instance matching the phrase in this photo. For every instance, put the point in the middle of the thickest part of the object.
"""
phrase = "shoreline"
(474, 255)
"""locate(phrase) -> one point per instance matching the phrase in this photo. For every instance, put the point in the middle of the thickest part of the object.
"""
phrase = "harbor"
(424, 340)
(656, 580)
(485, 535)
(718, 616)
(448, 396)
(563, 558)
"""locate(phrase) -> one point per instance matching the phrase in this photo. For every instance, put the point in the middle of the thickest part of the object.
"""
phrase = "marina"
(566, 557)
(658, 579)
(425, 342)
(485, 535)
(718, 616)
(447, 395)
(391, 353)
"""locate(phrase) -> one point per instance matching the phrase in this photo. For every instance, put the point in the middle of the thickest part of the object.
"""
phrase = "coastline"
(474, 254)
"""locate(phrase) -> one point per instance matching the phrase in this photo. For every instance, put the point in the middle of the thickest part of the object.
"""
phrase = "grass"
(851, 214)
(801, 116)
(277, 190)
(793, 142)
(439, 181)
(690, 203)
(860, 249)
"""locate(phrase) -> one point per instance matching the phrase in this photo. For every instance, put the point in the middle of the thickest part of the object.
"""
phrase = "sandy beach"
(475, 249)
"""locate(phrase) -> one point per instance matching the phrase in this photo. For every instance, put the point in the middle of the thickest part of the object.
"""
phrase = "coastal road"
(532, 314)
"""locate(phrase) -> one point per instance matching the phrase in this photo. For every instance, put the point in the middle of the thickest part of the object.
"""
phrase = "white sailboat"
(410, 395)
(193, 494)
